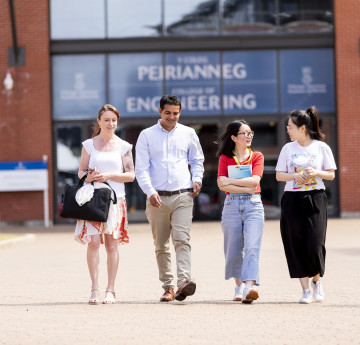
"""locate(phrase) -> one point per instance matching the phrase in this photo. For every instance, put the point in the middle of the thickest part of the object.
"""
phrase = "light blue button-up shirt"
(163, 159)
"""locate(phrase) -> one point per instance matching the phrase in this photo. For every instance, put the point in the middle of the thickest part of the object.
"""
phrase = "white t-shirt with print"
(110, 161)
(295, 158)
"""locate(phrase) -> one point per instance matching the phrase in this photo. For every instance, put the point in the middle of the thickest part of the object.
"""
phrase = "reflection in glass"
(68, 151)
(134, 18)
(270, 190)
(248, 15)
(265, 135)
(77, 19)
(68, 148)
(306, 15)
(191, 17)
(207, 204)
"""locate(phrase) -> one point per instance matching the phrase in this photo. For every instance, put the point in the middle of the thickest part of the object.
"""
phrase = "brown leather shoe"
(168, 295)
(185, 289)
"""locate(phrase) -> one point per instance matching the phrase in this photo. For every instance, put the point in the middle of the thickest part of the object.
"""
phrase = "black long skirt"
(303, 225)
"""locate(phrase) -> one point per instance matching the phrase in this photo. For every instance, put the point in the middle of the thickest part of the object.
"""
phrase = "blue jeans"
(242, 223)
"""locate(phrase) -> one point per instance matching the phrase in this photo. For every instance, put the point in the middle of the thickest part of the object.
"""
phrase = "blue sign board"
(136, 83)
(250, 82)
(29, 165)
(307, 78)
(195, 78)
(26, 176)
(23, 176)
(208, 83)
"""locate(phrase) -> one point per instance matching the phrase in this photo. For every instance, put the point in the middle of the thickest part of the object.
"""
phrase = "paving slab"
(44, 287)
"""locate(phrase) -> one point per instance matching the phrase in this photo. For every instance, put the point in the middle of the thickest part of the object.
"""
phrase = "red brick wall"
(25, 112)
(347, 36)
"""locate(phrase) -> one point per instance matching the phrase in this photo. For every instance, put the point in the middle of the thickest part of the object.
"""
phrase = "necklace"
(244, 162)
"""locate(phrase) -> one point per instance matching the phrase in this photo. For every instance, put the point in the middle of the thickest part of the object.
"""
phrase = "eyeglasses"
(247, 134)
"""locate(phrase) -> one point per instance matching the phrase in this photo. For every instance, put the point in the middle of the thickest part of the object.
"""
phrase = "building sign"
(250, 82)
(208, 83)
(78, 86)
(195, 78)
(307, 78)
(23, 176)
(136, 83)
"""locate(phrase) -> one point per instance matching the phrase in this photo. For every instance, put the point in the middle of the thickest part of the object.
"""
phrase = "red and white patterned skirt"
(118, 229)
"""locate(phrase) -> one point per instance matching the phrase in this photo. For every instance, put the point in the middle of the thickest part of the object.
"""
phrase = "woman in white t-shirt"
(106, 158)
(303, 164)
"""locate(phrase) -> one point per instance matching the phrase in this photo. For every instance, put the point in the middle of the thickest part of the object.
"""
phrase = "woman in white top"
(303, 164)
(106, 158)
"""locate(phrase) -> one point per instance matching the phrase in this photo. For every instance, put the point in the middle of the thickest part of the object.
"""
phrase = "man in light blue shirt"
(163, 155)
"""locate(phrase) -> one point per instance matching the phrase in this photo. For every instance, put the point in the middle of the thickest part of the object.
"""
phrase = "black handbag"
(96, 210)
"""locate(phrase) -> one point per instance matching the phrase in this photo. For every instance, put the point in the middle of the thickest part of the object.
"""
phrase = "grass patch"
(8, 236)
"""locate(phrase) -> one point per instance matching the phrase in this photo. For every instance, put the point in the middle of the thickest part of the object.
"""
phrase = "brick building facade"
(26, 116)
(347, 52)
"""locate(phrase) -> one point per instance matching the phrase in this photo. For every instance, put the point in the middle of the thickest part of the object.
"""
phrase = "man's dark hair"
(169, 99)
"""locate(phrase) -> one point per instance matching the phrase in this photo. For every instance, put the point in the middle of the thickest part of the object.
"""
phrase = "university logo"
(79, 91)
(307, 86)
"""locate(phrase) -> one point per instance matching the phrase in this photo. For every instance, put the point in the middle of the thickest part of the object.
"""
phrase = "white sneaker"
(306, 297)
(239, 291)
(319, 295)
(250, 294)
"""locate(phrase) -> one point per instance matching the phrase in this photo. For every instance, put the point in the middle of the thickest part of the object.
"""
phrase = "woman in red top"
(242, 222)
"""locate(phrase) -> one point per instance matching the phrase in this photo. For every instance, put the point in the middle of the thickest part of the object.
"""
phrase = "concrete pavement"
(44, 287)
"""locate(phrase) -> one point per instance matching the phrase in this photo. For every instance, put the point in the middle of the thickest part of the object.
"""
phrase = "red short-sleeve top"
(257, 166)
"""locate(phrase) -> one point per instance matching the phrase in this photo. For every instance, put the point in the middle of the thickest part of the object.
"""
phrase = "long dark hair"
(227, 145)
(310, 119)
(103, 109)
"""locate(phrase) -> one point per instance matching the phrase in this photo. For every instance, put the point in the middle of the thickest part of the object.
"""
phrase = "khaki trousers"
(173, 219)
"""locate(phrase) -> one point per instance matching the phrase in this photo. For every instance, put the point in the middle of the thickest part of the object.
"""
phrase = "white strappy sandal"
(109, 297)
(94, 297)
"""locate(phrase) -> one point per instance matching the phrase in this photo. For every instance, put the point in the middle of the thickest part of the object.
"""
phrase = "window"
(191, 17)
(248, 16)
(307, 78)
(306, 15)
(250, 82)
(77, 19)
(135, 18)
(96, 19)
(78, 86)
(68, 148)
(68, 151)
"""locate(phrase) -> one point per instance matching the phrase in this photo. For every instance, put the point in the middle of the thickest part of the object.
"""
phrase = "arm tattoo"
(128, 161)
(128, 154)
